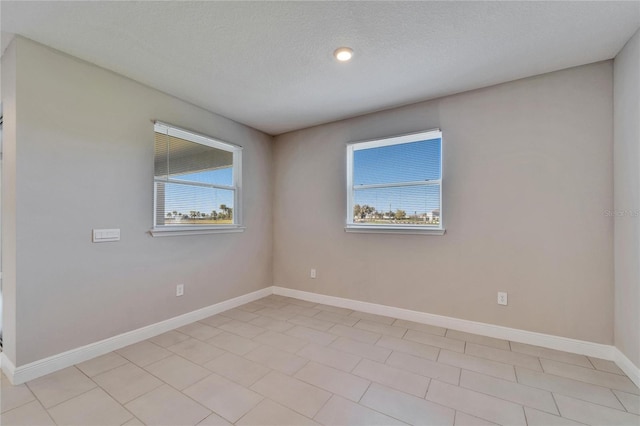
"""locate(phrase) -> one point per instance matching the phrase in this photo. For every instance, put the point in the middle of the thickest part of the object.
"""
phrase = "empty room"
(320, 213)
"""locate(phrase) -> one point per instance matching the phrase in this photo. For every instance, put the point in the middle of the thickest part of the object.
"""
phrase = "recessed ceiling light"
(343, 54)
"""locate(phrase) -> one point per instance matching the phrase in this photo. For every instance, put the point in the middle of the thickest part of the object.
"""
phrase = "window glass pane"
(183, 204)
(180, 159)
(408, 162)
(160, 158)
(214, 177)
(410, 205)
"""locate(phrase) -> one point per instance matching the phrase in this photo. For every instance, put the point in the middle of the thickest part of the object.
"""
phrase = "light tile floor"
(282, 361)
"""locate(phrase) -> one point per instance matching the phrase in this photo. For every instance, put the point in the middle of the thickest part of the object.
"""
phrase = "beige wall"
(8, 199)
(528, 169)
(627, 199)
(527, 178)
(85, 147)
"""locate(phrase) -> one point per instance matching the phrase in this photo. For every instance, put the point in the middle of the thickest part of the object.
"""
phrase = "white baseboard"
(522, 336)
(626, 366)
(24, 373)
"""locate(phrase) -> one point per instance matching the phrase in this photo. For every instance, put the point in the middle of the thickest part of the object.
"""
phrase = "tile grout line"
(68, 399)
(623, 406)
(556, 404)
(507, 400)
(553, 393)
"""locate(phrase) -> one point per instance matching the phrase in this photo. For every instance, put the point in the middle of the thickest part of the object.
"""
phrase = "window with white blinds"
(395, 184)
(196, 182)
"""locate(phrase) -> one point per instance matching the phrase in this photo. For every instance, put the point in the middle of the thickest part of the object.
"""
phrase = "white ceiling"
(269, 64)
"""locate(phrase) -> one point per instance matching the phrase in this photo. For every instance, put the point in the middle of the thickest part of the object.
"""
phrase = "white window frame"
(351, 226)
(236, 187)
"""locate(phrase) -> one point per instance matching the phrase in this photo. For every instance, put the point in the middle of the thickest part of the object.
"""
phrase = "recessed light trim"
(343, 54)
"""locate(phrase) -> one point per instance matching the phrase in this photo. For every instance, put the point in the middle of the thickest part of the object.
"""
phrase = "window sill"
(373, 229)
(183, 230)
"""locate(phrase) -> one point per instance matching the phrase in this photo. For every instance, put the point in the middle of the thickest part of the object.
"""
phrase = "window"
(196, 183)
(395, 184)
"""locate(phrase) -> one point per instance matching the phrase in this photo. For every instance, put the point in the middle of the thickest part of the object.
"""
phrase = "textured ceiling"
(269, 64)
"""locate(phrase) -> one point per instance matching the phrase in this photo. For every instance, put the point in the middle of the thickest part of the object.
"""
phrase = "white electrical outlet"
(179, 290)
(502, 298)
(313, 273)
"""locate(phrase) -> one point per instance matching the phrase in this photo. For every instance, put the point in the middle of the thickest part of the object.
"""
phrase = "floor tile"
(196, 351)
(514, 358)
(630, 401)
(224, 397)
(373, 317)
(408, 408)
(95, 407)
(334, 309)
(311, 335)
(271, 304)
(477, 404)
(232, 343)
(337, 318)
(282, 361)
(144, 353)
(60, 386)
(553, 354)
(271, 324)
(199, 331)
(243, 329)
(480, 365)
(216, 320)
(101, 364)
(601, 378)
(240, 315)
(177, 371)
(167, 406)
(281, 341)
(509, 391)
(586, 412)
(133, 422)
(275, 313)
(214, 420)
(335, 381)
(300, 310)
(433, 340)
(605, 365)
(480, 340)
(424, 367)
(355, 334)
(169, 338)
(14, 396)
(393, 377)
(127, 382)
(237, 369)
(330, 357)
(562, 385)
(292, 393)
(269, 413)
(342, 412)
(539, 418)
(464, 419)
(29, 414)
(409, 347)
(364, 350)
(384, 329)
(425, 328)
(311, 322)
